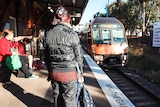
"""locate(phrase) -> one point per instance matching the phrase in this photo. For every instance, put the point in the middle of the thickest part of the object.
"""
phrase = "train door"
(89, 43)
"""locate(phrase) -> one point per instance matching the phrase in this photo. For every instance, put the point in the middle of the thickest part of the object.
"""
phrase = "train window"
(106, 36)
(118, 36)
(96, 36)
(101, 36)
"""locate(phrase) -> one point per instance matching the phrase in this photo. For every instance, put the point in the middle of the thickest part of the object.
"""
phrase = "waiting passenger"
(63, 46)
(26, 58)
(41, 43)
(6, 43)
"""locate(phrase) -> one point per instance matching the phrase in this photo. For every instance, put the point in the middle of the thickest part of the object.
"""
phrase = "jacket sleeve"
(5, 48)
(78, 51)
(47, 60)
(46, 52)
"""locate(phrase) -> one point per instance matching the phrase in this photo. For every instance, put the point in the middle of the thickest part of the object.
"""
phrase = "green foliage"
(98, 14)
(151, 12)
(130, 13)
(144, 61)
(127, 13)
(147, 65)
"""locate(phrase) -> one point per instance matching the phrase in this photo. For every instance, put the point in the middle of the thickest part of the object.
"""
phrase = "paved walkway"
(27, 92)
(38, 93)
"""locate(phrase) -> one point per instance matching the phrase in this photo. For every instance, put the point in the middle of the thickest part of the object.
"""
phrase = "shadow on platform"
(30, 100)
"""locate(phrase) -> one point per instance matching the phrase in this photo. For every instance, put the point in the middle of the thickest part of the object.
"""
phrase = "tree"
(151, 12)
(98, 14)
(130, 13)
(127, 13)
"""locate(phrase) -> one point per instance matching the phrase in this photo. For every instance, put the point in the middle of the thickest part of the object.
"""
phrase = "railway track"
(141, 92)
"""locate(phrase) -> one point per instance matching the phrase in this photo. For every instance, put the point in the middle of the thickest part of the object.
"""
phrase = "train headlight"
(98, 57)
(125, 51)
(123, 57)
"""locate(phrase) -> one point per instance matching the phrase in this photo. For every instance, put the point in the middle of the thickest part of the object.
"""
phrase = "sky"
(93, 7)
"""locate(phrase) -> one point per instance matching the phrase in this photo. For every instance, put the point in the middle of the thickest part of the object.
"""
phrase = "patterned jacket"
(63, 49)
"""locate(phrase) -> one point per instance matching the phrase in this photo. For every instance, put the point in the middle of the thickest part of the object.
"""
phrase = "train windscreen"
(101, 36)
(118, 36)
(108, 33)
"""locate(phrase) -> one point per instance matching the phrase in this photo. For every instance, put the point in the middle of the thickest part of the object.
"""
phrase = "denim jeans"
(64, 93)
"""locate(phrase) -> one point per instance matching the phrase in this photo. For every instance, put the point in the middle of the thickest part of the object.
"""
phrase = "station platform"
(38, 92)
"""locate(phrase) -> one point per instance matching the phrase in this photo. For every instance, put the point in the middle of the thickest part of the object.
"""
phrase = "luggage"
(84, 99)
(10, 60)
(38, 64)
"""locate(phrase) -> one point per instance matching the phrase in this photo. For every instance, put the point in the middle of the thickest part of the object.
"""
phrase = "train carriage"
(106, 42)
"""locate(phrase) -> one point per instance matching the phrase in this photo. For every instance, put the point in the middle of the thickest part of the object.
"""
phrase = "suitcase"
(38, 64)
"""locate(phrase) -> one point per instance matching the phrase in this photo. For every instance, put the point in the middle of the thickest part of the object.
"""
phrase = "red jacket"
(21, 48)
(5, 46)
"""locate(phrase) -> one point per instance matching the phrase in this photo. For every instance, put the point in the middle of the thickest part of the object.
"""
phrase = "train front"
(110, 46)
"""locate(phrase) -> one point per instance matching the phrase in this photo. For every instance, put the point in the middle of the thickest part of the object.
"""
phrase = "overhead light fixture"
(60, 1)
(76, 15)
(49, 6)
(51, 10)
(74, 1)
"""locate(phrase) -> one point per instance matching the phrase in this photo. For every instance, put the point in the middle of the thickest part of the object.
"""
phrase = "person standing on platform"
(41, 43)
(62, 52)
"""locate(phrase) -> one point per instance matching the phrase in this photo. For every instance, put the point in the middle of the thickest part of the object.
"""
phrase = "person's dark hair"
(6, 32)
(27, 40)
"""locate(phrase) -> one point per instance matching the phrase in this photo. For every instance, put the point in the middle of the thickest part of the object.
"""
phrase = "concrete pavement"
(38, 92)
(26, 92)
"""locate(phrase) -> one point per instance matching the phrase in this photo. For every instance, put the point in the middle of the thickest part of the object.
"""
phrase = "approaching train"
(105, 42)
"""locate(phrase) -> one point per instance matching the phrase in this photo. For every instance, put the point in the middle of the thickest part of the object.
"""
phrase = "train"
(105, 41)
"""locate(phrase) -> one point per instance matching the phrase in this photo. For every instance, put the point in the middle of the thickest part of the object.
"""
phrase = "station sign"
(156, 34)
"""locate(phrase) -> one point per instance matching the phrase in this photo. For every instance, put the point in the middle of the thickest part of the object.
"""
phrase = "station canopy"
(75, 7)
